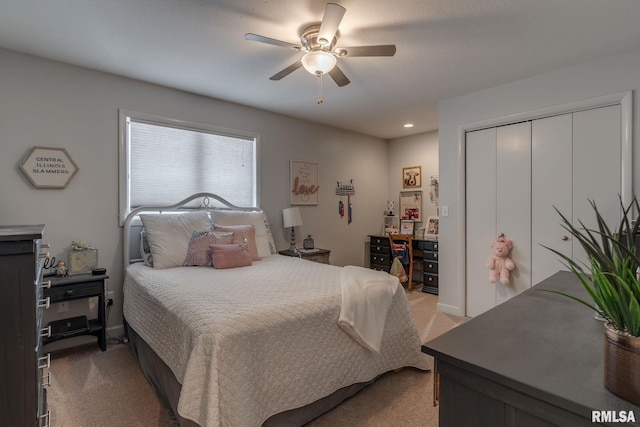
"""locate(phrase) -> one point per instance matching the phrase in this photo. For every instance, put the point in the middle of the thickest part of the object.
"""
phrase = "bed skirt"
(168, 388)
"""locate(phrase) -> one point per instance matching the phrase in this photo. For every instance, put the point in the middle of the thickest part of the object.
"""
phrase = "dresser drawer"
(67, 292)
(430, 255)
(430, 267)
(379, 241)
(430, 280)
(381, 259)
(427, 245)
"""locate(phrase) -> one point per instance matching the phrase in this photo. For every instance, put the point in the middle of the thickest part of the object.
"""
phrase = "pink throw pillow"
(198, 253)
(242, 234)
(230, 256)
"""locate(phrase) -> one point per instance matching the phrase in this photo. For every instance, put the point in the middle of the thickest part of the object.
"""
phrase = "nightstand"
(315, 255)
(77, 287)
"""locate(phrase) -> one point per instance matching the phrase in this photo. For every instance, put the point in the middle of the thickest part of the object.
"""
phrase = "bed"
(265, 342)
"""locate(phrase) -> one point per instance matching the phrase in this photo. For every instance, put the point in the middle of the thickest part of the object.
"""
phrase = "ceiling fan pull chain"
(320, 88)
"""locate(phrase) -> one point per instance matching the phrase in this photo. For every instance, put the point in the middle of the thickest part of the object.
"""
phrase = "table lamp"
(291, 218)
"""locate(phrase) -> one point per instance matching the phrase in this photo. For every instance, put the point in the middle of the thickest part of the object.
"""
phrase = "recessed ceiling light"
(408, 125)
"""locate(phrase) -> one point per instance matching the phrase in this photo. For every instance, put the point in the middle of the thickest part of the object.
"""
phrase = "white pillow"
(169, 235)
(264, 239)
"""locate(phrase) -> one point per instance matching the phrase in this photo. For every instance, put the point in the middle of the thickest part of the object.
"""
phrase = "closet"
(516, 174)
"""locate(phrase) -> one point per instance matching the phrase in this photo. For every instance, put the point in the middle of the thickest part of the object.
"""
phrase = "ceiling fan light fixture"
(319, 62)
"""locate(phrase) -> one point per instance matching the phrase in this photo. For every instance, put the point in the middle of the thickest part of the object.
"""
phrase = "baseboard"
(450, 309)
(115, 331)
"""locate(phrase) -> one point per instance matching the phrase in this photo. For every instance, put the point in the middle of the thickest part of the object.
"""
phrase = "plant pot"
(622, 364)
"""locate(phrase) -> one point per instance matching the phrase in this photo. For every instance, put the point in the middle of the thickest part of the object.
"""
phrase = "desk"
(76, 287)
(535, 360)
(427, 249)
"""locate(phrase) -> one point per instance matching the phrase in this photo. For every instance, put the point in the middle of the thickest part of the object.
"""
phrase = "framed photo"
(406, 227)
(412, 177)
(411, 205)
(304, 183)
(432, 227)
(82, 261)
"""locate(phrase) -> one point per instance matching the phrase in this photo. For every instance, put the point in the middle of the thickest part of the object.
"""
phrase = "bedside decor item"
(49, 167)
(61, 269)
(304, 182)
(613, 284)
(82, 260)
(291, 218)
(308, 242)
(412, 177)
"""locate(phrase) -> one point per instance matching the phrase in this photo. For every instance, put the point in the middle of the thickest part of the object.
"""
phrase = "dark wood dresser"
(536, 360)
(24, 370)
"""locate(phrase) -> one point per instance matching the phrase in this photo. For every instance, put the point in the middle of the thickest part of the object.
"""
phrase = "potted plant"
(612, 281)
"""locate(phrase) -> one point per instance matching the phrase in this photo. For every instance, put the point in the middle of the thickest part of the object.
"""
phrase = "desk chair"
(412, 261)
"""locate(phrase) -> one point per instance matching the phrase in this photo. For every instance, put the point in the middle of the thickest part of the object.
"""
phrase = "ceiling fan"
(319, 44)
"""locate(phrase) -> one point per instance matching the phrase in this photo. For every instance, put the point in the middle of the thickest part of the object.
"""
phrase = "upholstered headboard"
(133, 226)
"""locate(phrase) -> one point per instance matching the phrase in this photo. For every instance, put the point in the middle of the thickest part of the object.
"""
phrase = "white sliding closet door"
(552, 171)
(498, 182)
(596, 167)
(513, 216)
(516, 174)
(481, 218)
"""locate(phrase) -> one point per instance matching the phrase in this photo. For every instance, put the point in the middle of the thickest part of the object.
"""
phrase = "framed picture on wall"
(412, 177)
(411, 205)
(304, 182)
(432, 227)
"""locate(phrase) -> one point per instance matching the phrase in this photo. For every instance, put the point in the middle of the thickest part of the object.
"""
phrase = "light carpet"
(95, 388)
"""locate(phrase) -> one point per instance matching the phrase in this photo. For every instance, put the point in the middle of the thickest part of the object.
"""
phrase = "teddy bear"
(500, 264)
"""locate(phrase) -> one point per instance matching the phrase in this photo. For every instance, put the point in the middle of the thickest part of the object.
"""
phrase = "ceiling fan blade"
(338, 76)
(290, 69)
(333, 14)
(378, 50)
(268, 40)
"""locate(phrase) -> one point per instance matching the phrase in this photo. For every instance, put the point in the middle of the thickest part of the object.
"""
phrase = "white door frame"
(624, 99)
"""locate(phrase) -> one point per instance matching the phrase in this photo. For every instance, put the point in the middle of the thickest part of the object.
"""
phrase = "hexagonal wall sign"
(48, 167)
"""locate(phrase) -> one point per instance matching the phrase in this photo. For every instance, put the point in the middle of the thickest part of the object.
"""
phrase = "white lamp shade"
(291, 217)
(319, 62)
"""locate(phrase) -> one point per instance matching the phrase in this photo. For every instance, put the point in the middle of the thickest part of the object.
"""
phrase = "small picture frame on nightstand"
(82, 261)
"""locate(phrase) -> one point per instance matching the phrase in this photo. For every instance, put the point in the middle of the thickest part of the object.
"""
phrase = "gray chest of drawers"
(23, 367)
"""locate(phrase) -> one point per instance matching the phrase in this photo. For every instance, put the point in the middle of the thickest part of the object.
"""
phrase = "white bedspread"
(250, 342)
(366, 298)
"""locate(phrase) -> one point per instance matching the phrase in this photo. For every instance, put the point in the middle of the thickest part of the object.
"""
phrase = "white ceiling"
(445, 48)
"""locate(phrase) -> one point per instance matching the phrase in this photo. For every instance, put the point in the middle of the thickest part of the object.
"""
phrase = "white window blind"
(168, 163)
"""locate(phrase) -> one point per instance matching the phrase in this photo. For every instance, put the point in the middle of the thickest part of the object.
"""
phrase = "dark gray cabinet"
(23, 367)
(534, 361)
(380, 258)
(379, 253)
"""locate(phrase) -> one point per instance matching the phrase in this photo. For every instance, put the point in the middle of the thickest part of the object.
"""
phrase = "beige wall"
(47, 103)
(416, 150)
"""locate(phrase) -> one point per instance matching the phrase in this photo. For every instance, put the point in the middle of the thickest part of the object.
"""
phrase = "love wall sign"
(304, 183)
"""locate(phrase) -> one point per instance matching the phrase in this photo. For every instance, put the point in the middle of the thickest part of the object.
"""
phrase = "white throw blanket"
(366, 298)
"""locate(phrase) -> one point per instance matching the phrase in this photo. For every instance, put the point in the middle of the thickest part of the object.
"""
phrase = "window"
(163, 161)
